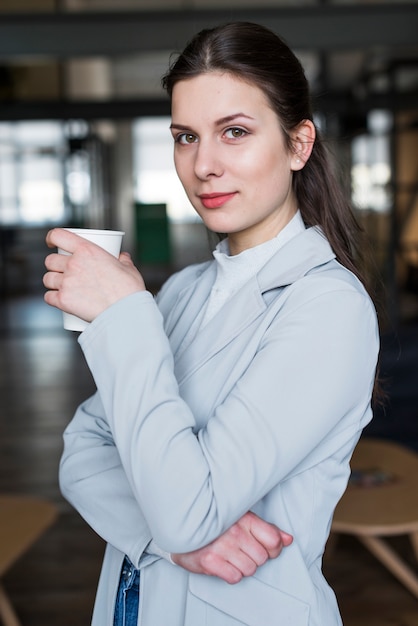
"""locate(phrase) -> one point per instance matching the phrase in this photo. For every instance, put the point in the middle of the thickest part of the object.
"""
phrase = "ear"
(303, 138)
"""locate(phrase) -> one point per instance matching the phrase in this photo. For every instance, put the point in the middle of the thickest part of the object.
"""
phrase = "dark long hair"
(258, 56)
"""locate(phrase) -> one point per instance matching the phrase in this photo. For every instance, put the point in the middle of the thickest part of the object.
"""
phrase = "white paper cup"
(111, 241)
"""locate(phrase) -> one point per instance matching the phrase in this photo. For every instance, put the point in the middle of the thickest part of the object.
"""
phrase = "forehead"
(216, 93)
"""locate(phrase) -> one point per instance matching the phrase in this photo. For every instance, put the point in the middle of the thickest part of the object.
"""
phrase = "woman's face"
(231, 158)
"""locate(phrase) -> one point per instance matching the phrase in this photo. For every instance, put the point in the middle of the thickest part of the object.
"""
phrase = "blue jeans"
(127, 599)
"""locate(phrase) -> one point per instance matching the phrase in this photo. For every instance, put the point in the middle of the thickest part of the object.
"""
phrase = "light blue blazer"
(261, 411)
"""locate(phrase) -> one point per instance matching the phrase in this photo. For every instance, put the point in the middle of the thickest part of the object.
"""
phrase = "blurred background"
(84, 141)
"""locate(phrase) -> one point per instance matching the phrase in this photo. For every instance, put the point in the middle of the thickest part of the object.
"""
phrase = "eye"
(235, 132)
(186, 138)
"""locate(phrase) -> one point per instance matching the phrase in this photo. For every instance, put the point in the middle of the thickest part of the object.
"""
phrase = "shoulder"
(326, 294)
(331, 295)
(334, 276)
(180, 280)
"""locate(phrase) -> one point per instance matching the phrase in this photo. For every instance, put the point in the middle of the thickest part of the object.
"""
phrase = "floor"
(42, 379)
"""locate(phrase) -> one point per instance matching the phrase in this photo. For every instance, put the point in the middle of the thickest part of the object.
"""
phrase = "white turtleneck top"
(233, 271)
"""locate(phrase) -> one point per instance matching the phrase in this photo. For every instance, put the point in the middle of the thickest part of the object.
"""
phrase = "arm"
(270, 425)
(99, 490)
(92, 479)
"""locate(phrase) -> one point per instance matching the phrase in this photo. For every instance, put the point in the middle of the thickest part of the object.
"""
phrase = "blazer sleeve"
(311, 378)
(93, 480)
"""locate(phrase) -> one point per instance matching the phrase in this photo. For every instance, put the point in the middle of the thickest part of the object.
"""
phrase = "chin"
(217, 225)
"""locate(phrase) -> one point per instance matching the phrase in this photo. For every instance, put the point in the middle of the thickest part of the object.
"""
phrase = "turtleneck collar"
(233, 271)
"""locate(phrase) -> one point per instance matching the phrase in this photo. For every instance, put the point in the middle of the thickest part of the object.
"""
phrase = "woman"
(228, 407)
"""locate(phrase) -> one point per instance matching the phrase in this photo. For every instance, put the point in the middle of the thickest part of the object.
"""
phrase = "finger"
(270, 536)
(245, 563)
(52, 298)
(126, 259)
(286, 538)
(216, 565)
(230, 574)
(254, 550)
(56, 262)
(240, 535)
(64, 239)
(52, 280)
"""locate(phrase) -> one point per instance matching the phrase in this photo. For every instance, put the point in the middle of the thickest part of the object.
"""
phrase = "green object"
(152, 234)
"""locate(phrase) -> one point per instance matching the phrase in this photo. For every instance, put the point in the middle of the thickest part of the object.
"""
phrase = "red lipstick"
(215, 200)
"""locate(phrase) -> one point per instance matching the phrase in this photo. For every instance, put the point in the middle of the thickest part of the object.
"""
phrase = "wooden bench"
(381, 500)
(22, 521)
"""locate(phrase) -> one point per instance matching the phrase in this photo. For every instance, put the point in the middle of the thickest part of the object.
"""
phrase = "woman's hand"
(89, 279)
(245, 546)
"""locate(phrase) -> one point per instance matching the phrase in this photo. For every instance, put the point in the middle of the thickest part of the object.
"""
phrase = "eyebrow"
(223, 120)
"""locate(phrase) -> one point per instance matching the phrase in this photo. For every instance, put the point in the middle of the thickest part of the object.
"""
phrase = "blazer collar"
(300, 255)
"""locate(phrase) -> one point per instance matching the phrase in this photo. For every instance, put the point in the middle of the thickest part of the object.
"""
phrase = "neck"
(249, 238)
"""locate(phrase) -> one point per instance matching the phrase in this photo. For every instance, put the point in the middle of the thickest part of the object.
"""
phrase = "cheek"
(273, 181)
(262, 174)
(276, 168)
(184, 163)
(263, 162)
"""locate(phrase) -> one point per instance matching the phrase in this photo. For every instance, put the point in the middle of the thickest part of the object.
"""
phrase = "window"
(371, 170)
(156, 181)
(31, 173)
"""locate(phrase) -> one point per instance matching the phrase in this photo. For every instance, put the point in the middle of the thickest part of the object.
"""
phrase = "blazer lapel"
(300, 255)
(235, 315)
(186, 307)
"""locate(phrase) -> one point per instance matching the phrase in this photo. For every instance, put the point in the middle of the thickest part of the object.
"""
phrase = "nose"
(208, 160)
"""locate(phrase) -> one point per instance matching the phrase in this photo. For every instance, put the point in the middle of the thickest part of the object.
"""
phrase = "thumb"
(125, 258)
(286, 538)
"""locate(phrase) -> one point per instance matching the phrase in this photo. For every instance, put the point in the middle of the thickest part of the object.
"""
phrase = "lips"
(215, 200)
